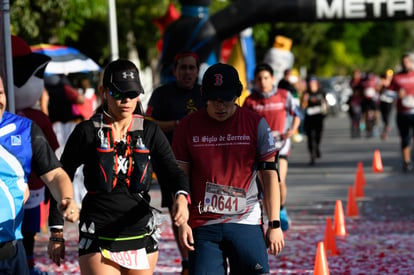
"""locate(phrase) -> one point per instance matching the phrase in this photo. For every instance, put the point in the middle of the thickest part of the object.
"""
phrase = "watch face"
(274, 224)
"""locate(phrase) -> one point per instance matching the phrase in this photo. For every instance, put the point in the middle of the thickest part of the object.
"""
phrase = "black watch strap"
(274, 224)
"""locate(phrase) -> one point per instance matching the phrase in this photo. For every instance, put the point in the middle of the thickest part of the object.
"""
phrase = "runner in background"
(315, 106)
(387, 99)
(285, 83)
(63, 97)
(279, 109)
(370, 104)
(289, 82)
(403, 84)
(355, 103)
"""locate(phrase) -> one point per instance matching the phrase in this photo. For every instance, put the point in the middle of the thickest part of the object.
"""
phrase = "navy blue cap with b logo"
(122, 76)
(221, 81)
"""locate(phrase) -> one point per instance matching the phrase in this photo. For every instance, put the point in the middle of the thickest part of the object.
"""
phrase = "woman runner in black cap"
(118, 231)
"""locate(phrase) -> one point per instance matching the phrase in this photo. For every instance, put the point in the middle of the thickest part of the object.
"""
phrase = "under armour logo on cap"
(127, 75)
(122, 76)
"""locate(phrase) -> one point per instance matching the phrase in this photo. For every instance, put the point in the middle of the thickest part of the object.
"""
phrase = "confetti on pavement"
(379, 241)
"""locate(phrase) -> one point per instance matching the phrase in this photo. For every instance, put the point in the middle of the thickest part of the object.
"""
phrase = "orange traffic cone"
(329, 240)
(360, 173)
(339, 220)
(351, 206)
(321, 262)
(377, 162)
(359, 184)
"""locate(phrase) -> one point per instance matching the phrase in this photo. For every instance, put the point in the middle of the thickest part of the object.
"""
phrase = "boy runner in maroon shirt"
(222, 149)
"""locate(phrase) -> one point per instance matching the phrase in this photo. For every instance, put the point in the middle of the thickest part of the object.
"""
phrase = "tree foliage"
(51, 20)
(337, 48)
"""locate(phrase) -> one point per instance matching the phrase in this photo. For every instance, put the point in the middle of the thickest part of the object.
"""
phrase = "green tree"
(84, 24)
(53, 21)
(61, 22)
(328, 49)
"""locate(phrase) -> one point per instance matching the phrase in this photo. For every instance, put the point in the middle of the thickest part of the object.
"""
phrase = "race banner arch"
(203, 33)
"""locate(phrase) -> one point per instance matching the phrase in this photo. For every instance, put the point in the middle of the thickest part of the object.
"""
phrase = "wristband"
(56, 230)
(59, 240)
(185, 194)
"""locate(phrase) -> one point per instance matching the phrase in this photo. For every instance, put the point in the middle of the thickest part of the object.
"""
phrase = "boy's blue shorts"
(243, 245)
(17, 264)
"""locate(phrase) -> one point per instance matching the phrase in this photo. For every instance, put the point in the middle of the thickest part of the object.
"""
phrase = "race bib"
(408, 101)
(223, 199)
(386, 99)
(132, 259)
(314, 110)
(369, 92)
(387, 96)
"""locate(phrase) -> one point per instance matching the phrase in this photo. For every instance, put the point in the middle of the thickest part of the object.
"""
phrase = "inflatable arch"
(203, 33)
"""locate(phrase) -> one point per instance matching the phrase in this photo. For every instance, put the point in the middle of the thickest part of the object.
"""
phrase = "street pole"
(113, 33)
(5, 11)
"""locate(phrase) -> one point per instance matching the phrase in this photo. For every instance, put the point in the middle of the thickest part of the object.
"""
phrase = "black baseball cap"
(122, 76)
(221, 81)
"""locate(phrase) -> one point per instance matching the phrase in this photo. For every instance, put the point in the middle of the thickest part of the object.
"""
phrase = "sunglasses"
(121, 96)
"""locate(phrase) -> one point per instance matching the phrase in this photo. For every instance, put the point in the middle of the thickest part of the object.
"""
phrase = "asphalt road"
(330, 178)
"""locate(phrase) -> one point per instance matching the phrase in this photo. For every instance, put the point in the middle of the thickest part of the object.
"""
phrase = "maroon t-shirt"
(404, 81)
(223, 157)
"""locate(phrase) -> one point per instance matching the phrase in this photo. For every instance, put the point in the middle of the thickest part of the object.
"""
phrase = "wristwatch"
(274, 224)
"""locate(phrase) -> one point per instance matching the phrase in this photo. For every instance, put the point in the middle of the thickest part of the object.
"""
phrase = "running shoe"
(318, 153)
(284, 219)
(375, 132)
(312, 161)
(385, 133)
(407, 167)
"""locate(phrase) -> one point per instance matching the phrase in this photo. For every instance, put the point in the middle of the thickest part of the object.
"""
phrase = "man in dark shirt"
(171, 102)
